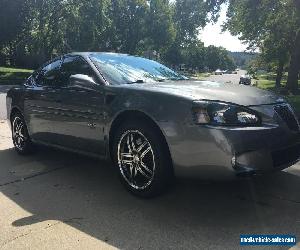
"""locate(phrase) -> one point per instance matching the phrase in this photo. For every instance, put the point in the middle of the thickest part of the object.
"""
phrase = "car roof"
(94, 53)
(85, 54)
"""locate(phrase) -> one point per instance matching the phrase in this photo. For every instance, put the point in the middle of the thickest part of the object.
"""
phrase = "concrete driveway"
(57, 200)
(3, 91)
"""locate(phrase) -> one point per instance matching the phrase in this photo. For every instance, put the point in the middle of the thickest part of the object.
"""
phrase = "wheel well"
(134, 115)
(13, 112)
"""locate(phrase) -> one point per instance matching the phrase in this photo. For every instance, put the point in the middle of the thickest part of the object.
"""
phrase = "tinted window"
(48, 75)
(73, 65)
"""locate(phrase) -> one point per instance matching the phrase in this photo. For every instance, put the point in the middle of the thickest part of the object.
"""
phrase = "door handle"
(92, 125)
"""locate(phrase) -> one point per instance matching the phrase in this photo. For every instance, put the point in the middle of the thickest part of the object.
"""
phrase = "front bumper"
(255, 150)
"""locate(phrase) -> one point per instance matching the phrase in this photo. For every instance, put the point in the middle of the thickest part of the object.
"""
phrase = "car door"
(80, 122)
(40, 104)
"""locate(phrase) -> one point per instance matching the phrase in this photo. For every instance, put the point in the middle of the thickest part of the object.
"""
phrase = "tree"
(189, 16)
(11, 20)
(160, 26)
(87, 25)
(293, 76)
(275, 54)
(42, 32)
(12, 15)
(37, 30)
(128, 19)
(195, 55)
(259, 22)
(218, 58)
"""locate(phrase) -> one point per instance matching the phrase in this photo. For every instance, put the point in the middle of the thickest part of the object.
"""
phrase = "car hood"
(199, 90)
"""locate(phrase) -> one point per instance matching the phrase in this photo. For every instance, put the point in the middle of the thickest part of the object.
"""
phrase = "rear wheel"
(20, 136)
(142, 159)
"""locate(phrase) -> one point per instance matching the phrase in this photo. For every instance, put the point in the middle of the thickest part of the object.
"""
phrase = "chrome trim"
(133, 148)
(18, 133)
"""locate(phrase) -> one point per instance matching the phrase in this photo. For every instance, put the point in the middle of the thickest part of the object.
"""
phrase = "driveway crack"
(71, 220)
(32, 176)
(15, 238)
(5, 137)
(272, 196)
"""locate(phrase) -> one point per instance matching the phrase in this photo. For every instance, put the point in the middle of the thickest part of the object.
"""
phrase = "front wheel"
(20, 136)
(142, 159)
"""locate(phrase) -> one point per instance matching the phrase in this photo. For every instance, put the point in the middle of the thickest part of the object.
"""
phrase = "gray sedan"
(152, 122)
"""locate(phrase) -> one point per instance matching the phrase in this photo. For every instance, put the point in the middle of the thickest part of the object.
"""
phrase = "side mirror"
(82, 80)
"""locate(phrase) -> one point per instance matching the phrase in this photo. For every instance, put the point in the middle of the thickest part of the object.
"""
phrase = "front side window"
(122, 69)
(49, 75)
(73, 65)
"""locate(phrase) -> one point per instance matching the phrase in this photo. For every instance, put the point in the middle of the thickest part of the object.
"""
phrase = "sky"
(212, 35)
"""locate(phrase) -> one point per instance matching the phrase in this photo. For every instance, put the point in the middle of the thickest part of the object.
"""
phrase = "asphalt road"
(57, 200)
(229, 78)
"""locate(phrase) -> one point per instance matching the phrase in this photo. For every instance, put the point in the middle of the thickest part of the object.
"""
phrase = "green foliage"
(218, 58)
(160, 25)
(242, 59)
(267, 82)
(85, 25)
(5, 70)
(128, 24)
(196, 56)
(273, 26)
(189, 16)
(11, 20)
(10, 76)
(38, 30)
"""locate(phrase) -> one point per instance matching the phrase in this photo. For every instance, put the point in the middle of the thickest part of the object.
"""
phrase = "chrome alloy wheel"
(19, 134)
(136, 159)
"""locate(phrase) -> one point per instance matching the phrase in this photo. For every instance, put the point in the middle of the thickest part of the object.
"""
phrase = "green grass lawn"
(12, 76)
(267, 82)
(202, 76)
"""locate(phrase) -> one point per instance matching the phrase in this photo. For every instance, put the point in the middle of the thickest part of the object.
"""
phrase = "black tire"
(20, 136)
(162, 174)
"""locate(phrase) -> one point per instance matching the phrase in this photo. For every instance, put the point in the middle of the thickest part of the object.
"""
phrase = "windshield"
(124, 69)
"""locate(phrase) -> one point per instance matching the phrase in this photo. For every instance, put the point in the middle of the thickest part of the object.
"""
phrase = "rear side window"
(49, 75)
(73, 65)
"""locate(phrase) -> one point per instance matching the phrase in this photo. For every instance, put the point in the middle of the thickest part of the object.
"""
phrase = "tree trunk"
(292, 82)
(297, 3)
(279, 73)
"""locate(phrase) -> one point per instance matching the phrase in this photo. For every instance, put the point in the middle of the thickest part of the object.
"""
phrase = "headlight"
(224, 114)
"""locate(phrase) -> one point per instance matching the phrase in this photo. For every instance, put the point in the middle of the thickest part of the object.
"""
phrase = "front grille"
(286, 156)
(287, 115)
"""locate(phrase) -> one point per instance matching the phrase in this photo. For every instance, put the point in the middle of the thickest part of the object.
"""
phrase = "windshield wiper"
(137, 81)
(179, 79)
(160, 79)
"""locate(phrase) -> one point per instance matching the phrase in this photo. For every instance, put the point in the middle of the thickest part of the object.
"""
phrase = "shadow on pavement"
(86, 194)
